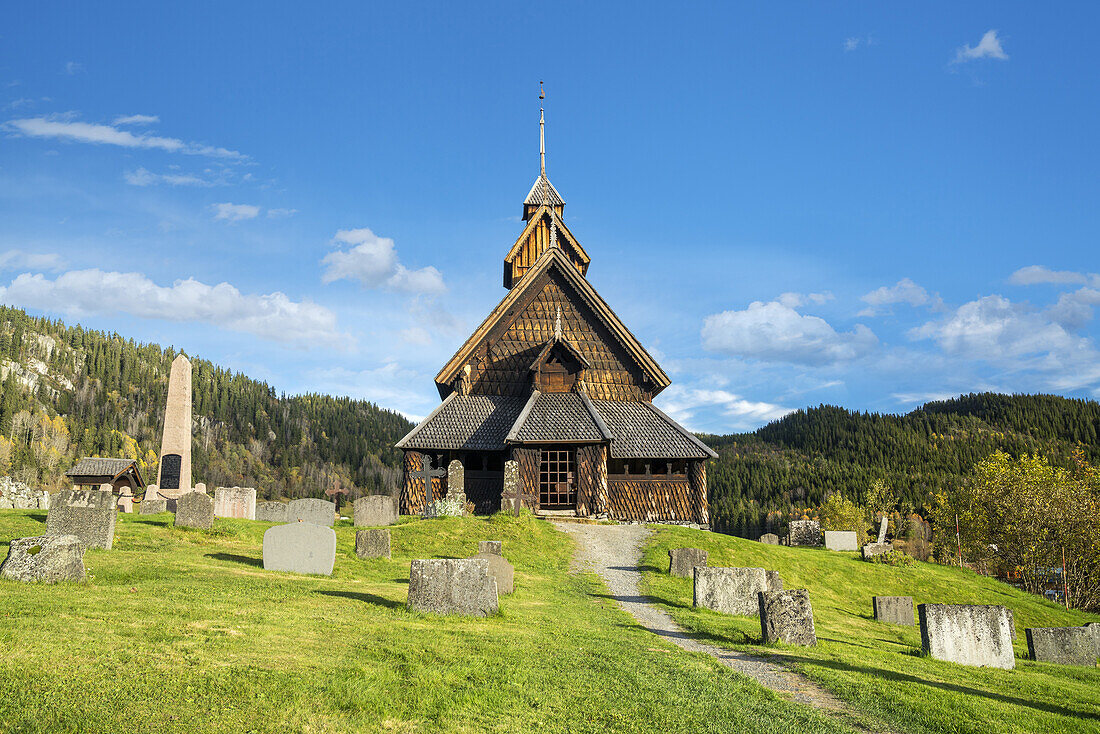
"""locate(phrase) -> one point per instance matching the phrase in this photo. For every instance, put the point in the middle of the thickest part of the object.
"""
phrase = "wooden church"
(553, 380)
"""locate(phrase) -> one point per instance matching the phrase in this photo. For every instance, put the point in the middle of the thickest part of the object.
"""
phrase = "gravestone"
(45, 558)
(237, 502)
(195, 510)
(968, 634)
(89, 514)
(426, 474)
(769, 539)
(125, 503)
(300, 547)
(871, 550)
(786, 616)
(804, 532)
(501, 570)
(883, 524)
(272, 511)
(511, 498)
(373, 543)
(174, 473)
(490, 546)
(1063, 645)
(893, 609)
(456, 482)
(729, 590)
(682, 561)
(841, 540)
(452, 586)
(311, 510)
(153, 507)
(375, 510)
(200, 487)
(774, 582)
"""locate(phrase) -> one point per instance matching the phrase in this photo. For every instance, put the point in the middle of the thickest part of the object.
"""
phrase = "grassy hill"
(182, 630)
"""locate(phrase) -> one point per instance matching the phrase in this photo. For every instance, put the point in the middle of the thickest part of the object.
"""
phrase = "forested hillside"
(796, 461)
(69, 392)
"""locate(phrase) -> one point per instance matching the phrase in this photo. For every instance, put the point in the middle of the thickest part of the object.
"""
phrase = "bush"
(893, 558)
(840, 513)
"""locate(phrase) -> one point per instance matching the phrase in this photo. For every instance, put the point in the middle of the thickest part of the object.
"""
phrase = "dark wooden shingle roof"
(106, 469)
(466, 423)
(642, 431)
(558, 417)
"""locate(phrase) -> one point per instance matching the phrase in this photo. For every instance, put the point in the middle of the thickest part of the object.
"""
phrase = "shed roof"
(641, 431)
(103, 467)
(466, 422)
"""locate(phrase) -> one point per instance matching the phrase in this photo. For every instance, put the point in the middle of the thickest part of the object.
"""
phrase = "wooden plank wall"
(412, 488)
(650, 500)
(697, 471)
(537, 243)
(592, 480)
(528, 460)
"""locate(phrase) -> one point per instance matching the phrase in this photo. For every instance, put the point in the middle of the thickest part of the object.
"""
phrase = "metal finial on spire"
(542, 132)
(557, 324)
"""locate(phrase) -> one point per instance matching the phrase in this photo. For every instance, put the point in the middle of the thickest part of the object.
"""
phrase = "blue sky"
(864, 204)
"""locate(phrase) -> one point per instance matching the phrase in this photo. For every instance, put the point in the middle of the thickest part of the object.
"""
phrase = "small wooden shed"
(97, 471)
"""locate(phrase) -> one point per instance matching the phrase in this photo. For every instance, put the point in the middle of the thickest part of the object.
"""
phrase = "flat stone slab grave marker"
(375, 510)
(89, 514)
(876, 549)
(272, 511)
(300, 547)
(490, 546)
(311, 510)
(682, 561)
(893, 609)
(45, 558)
(786, 616)
(195, 510)
(769, 539)
(238, 502)
(1063, 645)
(968, 634)
(841, 540)
(729, 590)
(804, 532)
(452, 586)
(501, 570)
(373, 543)
(151, 506)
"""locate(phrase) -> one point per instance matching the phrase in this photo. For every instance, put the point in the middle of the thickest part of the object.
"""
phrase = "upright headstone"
(501, 570)
(804, 532)
(729, 590)
(774, 582)
(1063, 645)
(238, 502)
(300, 547)
(841, 540)
(786, 616)
(682, 561)
(125, 503)
(195, 510)
(969, 634)
(893, 609)
(372, 543)
(200, 487)
(456, 482)
(272, 511)
(452, 586)
(312, 510)
(490, 546)
(45, 558)
(174, 473)
(769, 539)
(883, 524)
(150, 506)
(88, 514)
(511, 498)
(376, 510)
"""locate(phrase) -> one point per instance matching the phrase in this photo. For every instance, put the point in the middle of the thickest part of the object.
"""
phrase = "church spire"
(543, 192)
(542, 133)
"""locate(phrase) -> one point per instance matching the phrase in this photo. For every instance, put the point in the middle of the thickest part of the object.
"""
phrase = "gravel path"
(613, 552)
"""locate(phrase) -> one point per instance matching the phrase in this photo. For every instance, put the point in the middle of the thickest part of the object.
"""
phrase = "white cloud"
(144, 177)
(373, 262)
(62, 128)
(16, 259)
(904, 291)
(235, 212)
(794, 300)
(391, 385)
(1074, 310)
(682, 404)
(988, 48)
(416, 335)
(1039, 275)
(920, 398)
(135, 120)
(851, 44)
(775, 332)
(85, 292)
(280, 213)
(73, 67)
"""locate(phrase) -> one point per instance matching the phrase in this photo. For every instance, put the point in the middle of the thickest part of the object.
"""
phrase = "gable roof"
(553, 258)
(107, 468)
(567, 346)
(543, 192)
(560, 417)
(562, 231)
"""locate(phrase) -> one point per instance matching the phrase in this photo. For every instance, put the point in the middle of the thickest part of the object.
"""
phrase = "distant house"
(96, 471)
(555, 381)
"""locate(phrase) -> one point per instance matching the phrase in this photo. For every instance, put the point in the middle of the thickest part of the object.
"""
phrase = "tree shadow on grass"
(150, 520)
(234, 558)
(362, 596)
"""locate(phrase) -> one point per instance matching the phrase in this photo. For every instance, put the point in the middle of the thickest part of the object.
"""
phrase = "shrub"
(893, 558)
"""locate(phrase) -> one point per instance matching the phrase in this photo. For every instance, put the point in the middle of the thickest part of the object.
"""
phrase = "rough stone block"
(1063, 645)
(452, 586)
(769, 539)
(804, 532)
(501, 570)
(45, 558)
(841, 540)
(876, 549)
(490, 546)
(87, 514)
(238, 502)
(153, 507)
(373, 543)
(195, 510)
(300, 547)
(311, 510)
(786, 616)
(729, 590)
(375, 510)
(893, 609)
(774, 582)
(969, 634)
(272, 511)
(682, 561)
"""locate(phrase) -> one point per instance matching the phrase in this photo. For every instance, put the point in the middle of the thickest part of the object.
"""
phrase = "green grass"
(878, 667)
(183, 630)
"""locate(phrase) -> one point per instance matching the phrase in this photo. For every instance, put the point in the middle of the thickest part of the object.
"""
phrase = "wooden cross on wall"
(426, 473)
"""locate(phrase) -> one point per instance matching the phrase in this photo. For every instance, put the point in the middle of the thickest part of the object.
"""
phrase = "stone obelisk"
(174, 475)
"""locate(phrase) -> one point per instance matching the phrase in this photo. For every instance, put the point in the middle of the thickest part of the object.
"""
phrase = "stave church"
(554, 380)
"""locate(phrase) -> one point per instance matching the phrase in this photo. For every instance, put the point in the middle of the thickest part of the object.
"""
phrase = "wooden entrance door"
(557, 486)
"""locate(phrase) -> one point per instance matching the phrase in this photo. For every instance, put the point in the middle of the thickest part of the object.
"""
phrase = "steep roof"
(641, 430)
(561, 417)
(466, 423)
(106, 468)
(563, 231)
(543, 192)
(556, 259)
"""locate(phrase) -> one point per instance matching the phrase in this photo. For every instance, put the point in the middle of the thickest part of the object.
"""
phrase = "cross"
(518, 497)
(426, 473)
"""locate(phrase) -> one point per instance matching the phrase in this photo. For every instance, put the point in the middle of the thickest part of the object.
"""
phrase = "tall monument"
(174, 475)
